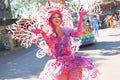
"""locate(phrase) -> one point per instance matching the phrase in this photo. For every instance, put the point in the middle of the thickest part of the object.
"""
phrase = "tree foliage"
(22, 8)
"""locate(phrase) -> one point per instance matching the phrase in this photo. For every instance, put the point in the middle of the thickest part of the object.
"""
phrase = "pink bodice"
(62, 45)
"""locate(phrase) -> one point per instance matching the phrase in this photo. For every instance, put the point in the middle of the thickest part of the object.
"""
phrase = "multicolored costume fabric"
(65, 65)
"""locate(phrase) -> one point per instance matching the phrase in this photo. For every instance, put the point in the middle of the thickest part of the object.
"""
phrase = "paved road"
(22, 65)
(105, 53)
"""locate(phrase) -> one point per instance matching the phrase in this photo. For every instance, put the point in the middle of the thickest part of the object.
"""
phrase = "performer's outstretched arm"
(47, 39)
(78, 32)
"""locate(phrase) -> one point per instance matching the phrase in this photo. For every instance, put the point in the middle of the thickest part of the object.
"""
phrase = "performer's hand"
(82, 13)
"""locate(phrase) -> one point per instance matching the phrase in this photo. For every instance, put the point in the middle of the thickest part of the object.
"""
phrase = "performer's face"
(56, 19)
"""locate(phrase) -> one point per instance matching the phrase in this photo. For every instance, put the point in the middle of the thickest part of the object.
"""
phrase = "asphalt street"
(105, 53)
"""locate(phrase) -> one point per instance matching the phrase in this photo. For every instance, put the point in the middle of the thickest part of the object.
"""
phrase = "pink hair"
(51, 14)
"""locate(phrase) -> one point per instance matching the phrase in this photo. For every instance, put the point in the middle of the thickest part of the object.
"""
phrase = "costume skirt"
(69, 68)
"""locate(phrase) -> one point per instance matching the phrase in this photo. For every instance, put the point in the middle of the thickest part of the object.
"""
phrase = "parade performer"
(46, 29)
(95, 25)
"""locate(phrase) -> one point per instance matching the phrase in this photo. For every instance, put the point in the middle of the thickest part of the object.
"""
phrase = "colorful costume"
(65, 65)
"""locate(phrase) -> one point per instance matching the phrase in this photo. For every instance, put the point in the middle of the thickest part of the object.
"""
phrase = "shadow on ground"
(101, 49)
(18, 66)
(106, 48)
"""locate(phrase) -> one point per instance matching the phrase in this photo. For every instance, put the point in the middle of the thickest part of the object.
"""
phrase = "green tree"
(22, 8)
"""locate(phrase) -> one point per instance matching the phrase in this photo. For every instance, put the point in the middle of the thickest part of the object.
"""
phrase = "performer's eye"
(53, 17)
(56, 17)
